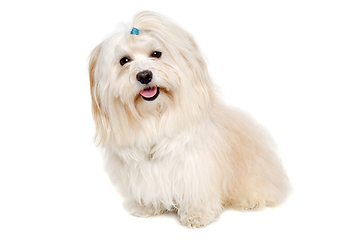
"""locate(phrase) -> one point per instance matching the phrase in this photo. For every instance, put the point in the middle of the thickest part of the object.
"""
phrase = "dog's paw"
(145, 211)
(195, 220)
(254, 206)
(246, 204)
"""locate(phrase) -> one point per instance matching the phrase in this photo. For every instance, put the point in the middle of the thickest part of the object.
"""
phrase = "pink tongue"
(149, 92)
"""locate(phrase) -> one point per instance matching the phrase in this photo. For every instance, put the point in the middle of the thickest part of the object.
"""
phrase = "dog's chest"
(153, 173)
(162, 172)
(143, 155)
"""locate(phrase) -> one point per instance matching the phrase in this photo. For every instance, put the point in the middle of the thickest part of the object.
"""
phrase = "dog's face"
(144, 74)
(137, 77)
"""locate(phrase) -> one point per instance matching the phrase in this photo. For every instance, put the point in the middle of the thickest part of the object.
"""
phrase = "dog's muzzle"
(150, 93)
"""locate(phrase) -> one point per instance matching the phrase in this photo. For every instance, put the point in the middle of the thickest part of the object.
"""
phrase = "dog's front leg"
(142, 210)
(200, 209)
(196, 219)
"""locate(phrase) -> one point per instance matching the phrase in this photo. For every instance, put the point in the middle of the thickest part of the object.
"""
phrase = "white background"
(294, 65)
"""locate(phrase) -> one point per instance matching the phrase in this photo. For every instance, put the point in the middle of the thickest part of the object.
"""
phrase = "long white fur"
(184, 151)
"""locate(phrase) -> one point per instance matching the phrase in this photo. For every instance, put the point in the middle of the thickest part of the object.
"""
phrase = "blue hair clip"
(135, 31)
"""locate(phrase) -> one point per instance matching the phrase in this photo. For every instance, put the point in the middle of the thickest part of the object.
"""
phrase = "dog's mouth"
(150, 94)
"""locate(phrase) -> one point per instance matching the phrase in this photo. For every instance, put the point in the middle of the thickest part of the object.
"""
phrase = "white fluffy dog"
(170, 143)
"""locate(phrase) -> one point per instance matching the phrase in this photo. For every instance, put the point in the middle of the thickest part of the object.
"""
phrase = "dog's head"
(153, 71)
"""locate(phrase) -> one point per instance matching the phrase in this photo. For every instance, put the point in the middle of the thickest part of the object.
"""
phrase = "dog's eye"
(124, 60)
(156, 54)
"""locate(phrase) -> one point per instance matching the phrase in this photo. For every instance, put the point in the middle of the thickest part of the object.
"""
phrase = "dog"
(170, 143)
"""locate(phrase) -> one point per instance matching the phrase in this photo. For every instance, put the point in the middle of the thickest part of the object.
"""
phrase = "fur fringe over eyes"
(180, 149)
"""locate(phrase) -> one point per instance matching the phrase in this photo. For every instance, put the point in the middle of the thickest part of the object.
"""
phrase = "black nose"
(145, 77)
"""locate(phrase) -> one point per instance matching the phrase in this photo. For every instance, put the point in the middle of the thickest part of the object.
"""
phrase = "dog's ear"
(99, 112)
